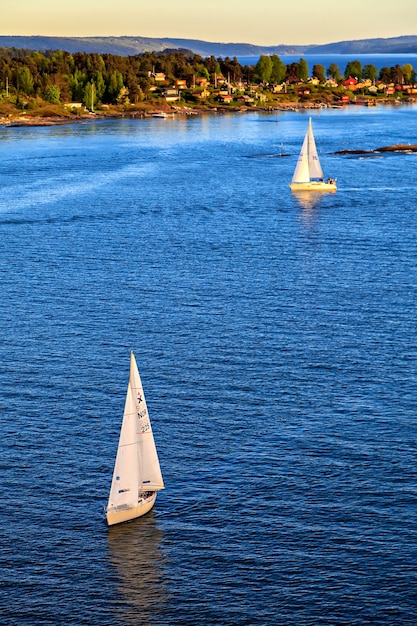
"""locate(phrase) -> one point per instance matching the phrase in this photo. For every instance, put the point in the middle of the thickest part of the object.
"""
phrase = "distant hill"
(406, 44)
(137, 45)
(126, 46)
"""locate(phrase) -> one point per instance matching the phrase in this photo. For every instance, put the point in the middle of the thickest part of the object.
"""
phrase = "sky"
(260, 22)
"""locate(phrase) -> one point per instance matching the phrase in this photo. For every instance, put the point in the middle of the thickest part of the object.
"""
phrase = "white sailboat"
(308, 175)
(137, 474)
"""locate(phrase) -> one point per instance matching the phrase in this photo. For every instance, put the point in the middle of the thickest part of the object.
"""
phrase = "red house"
(350, 82)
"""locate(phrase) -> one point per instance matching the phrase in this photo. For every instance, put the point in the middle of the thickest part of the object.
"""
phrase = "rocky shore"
(400, 147)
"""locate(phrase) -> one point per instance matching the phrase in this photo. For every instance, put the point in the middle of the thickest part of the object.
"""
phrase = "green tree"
(278, 69)
(100, 85)
(77, 82)
(408, 73)
(370, 72)
(334, 72)
(354, 69)
(397, 76)
(385, 74)
(123, 97)
(114, 85)
(52, 94)
(203, 73)
(302, 70)
(89, 96)
(263, 69)
(24, 80)
(319, 72)
(291, 72)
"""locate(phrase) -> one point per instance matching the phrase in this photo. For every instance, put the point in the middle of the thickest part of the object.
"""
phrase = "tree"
(52, 94)
(123, 97)
(114, 85)
(334, 72)
(77, 82)
(203, 73)
(263, 69)
(89, 97)
(370, 72)
(397, 76)
(318, 72)
(135, 93)
(291, 73)
(354, 69)
(99, 84)
(278, 70)
(385, 74)
(408, 73)
(302, 70)
(24, 80)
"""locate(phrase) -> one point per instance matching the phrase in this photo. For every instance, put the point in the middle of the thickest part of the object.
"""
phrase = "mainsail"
(308, 165)
(137, 465)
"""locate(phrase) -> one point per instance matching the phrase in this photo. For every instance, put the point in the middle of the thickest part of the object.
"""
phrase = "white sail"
(313, 157)
(308, 175)
(308, 164)
(125, 483)
(302, 170)
(150, 477)
(137, 466)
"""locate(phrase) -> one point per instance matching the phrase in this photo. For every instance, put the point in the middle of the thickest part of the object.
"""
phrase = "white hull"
(124, 515)
(313, 186)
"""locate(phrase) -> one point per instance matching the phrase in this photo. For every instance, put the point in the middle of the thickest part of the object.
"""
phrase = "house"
(279, 88)
(245, 99)
(180, 84)
(350, 83)
(200, 94)
(225, 98)
(73, 105)
(364, 84)
(171, 94)
(201, 82)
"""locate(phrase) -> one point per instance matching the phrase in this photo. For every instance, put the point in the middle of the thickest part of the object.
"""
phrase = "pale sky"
(260, 22)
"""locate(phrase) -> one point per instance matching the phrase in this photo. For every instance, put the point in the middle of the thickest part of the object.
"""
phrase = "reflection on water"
(134, 551)
(308, 199)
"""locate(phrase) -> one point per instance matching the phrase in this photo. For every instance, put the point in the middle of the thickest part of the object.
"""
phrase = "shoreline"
(29, 120)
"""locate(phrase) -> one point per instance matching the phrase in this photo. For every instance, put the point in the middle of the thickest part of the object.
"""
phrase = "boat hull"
(313, 186)
(125, 515)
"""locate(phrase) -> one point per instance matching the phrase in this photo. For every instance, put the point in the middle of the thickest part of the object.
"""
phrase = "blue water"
(276, 339)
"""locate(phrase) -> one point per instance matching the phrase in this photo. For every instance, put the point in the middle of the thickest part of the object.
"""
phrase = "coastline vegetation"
(59, 84)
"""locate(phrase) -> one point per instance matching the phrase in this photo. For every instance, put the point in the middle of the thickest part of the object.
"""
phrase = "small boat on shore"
(308, 174)
(137, 475)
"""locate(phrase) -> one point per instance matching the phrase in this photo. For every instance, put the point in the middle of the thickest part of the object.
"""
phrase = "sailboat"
(308, 175)
(137, 475)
